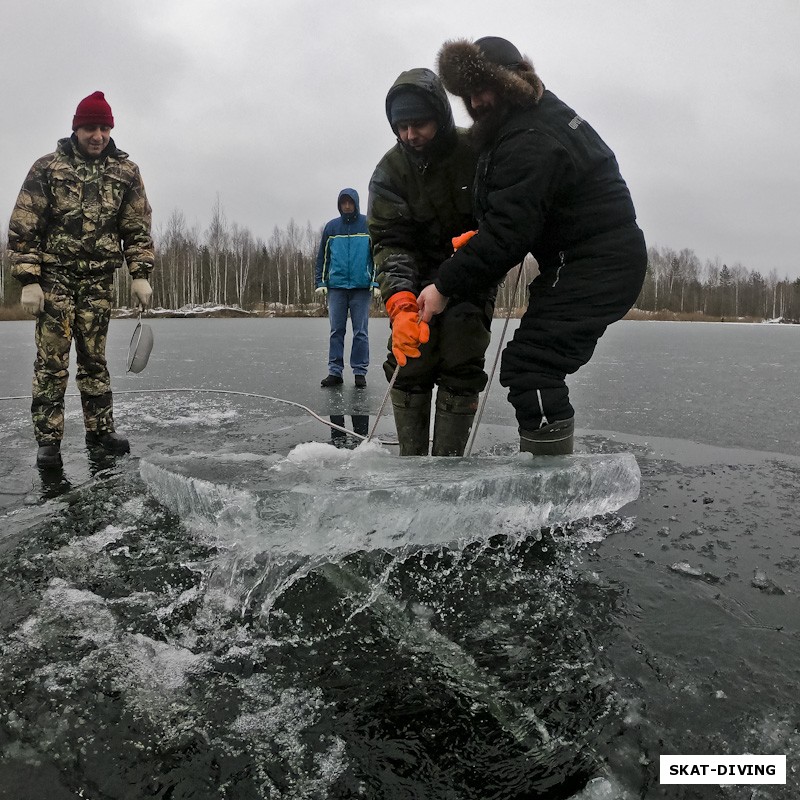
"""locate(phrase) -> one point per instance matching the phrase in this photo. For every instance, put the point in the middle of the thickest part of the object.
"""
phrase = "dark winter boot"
(110, 442)
(455, 414)
(555, 439)
(412, 418)
(49, 455)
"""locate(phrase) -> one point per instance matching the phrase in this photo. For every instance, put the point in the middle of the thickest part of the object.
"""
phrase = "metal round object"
(140, 347)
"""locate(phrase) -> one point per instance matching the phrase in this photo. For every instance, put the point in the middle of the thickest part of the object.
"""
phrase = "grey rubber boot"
(555, 439)
(412, 418)
(455, 414)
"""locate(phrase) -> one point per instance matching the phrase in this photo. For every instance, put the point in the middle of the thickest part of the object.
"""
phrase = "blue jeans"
(357, 302)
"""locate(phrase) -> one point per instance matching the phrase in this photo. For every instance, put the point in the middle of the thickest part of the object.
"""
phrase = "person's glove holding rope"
(408, 332)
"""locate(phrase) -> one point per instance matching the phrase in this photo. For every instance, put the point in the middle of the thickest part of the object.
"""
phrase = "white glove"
(376, 291)
(321, 290)
(142, 291)
(32, 299)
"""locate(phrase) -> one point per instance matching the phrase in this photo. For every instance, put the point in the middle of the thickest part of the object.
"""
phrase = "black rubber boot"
(455, 414)
(555, 439)
(54, 482)
(412, 418)
(49, 455)
(110, 442)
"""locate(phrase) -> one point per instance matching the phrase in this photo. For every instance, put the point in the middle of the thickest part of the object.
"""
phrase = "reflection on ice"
(325, 501)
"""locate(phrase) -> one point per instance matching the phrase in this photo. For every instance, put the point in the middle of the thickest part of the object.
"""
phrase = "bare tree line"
(224, 264)
(678, 281)
(221, 265)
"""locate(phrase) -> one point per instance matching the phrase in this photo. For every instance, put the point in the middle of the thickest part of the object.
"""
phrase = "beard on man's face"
(487, 121)
(481, 111)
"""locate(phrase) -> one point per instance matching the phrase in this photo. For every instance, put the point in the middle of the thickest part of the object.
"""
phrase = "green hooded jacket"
(419, 202)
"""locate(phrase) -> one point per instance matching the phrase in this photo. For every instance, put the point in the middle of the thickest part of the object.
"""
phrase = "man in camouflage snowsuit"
(82, 211)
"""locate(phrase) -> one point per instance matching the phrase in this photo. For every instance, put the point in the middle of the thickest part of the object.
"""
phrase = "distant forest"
(226, 265)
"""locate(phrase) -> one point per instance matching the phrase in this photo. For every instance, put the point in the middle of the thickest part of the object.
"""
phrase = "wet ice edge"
(319, 500)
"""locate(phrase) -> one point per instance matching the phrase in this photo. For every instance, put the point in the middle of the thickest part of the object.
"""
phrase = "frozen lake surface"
(241, 610)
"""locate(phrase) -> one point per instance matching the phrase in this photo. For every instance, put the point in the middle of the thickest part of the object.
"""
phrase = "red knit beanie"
(93, 110)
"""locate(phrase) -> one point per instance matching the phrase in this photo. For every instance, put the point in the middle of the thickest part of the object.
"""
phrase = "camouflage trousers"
(75, 307)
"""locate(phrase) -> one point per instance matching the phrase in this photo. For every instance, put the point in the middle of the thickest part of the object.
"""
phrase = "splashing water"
(282, 634)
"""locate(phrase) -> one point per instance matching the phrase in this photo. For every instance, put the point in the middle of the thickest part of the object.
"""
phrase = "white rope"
(383, 403)
(240, 394)
(478, 416)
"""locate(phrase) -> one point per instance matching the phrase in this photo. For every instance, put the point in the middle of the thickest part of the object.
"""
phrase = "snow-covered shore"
(217, 310)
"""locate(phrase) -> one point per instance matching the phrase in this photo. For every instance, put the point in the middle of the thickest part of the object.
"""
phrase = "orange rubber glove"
(460, 241)
(408, 333)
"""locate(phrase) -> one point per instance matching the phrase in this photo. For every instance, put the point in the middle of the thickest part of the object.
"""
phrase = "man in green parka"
(81, 213)
(420, 200)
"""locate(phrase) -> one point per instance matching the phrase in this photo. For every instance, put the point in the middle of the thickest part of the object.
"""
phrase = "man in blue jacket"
(345, 273)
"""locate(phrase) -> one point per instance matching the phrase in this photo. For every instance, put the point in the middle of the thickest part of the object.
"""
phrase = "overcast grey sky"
(276, 106)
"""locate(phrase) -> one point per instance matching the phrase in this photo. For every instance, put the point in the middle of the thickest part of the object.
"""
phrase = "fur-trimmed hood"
(465, 68)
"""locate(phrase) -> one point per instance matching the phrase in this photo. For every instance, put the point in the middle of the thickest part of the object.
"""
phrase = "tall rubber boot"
(555, 439)
(455, 414)
(412, 418)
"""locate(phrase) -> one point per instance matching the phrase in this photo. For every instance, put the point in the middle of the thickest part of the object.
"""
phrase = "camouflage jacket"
(81, 214)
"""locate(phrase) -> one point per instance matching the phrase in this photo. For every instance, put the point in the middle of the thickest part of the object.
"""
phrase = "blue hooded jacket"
(344, 260)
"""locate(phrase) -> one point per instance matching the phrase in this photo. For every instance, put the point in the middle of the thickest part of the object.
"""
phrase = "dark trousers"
(454, 355)
(569, 309)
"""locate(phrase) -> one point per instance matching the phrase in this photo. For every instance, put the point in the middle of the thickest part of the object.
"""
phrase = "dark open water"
(225, 614)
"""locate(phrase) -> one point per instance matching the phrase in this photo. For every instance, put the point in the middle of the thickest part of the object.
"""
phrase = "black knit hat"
(408, 106)
(500, 51)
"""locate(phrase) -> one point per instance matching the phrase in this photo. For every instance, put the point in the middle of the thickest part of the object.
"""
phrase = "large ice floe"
(319, 500)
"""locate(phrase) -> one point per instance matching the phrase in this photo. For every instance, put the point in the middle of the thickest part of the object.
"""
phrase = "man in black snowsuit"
(548, 185)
